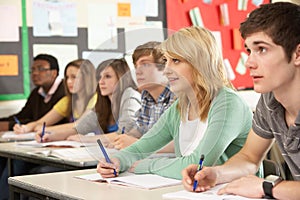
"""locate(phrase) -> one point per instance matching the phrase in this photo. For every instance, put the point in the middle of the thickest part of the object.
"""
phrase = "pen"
(199, 168)
(105, 154)
(17, 121)
(43, 131)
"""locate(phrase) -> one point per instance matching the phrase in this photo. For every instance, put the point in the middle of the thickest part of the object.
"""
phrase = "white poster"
(54, 19)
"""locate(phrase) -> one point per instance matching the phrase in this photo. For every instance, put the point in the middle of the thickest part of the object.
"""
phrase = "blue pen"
(105, 154)
(17, 121)
(43, 131)
(199, 168)
(123, 130)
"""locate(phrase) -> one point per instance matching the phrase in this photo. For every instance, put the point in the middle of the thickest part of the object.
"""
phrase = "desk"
(13, 151)
(63, 185)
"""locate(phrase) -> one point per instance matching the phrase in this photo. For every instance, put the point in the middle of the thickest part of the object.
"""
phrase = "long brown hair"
(87, 74)
(105, 109)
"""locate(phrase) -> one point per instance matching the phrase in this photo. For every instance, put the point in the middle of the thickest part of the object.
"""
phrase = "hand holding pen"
(107, 169)
(200, 166)
(43, 131)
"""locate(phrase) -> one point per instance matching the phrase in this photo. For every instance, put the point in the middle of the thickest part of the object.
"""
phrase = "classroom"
(117, 99)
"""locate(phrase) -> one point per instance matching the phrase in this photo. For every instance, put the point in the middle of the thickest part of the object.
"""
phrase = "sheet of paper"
(102, 28)
(142, 33)
(63, 52)
(145, 181)
(10, 135)
(63, 143)
(82, 153)
(208, 195)
(10, 20)
(54, 18)
(96, 57)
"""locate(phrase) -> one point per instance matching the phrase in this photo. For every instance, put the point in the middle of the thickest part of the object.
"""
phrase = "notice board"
(68, 30)
(178, 17)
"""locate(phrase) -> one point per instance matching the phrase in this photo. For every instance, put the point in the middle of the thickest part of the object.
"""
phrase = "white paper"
(62, 143)
(63, 53)
(208, 195)
(96, 57)
(91, 153)
(10, 135)
(142, 33)
(54, 18)
(145, 181)
(240, 67)
(102, 28)
(9, 23)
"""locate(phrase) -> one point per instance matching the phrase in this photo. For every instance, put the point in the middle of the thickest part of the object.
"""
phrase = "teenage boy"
(272, 40)
(48, 91)
(156, 95)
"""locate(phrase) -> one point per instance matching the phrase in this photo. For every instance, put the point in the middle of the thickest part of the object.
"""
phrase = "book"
(91, 153)
(207, 195)
(12, 136)
(62, 143)
(143, 181)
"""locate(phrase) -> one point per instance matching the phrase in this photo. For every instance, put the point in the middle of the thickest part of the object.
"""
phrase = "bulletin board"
(178, 17)
(64, 28)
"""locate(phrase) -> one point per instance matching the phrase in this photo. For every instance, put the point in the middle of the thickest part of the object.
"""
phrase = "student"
(118, 100)
(80, 84)
(48, 91)
(273, 44)
(208, 118)
(156, 95)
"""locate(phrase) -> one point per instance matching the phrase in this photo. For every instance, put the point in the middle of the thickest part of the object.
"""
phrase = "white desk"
(13, 151)
(63, 185)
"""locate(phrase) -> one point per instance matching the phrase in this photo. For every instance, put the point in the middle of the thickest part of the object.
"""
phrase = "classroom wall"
(12, 106)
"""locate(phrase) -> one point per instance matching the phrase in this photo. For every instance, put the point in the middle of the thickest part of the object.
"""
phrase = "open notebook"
(207, 195)
(80, 153)
(144, 181)
(12, 136)
(62, 143)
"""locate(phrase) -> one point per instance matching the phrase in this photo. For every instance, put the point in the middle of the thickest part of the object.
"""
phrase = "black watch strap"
(267, 186)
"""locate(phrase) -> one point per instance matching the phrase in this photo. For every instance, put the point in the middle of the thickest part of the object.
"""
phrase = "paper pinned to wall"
(142, 33)
(64, 53)
(102, 28)
(54, 18)
(9, 28)
(240, 67)
(195, 16)
(96, 57)
(9, 65)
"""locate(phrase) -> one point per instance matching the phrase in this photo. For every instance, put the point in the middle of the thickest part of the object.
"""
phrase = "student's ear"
(54, 73)
(297, 60)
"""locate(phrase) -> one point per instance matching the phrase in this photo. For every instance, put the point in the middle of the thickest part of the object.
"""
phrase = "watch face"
(272, 178)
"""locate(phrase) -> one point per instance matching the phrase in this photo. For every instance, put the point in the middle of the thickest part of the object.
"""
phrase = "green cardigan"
(229, 122)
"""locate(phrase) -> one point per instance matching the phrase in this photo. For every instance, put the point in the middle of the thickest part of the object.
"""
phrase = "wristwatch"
(270, 182)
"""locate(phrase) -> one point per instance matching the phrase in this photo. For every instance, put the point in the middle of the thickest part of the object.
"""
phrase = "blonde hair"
(198, 47)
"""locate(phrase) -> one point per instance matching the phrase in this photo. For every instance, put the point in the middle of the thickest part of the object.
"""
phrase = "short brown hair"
(149, 49)
(280, 21)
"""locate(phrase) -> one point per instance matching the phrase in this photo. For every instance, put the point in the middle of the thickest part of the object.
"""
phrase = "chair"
(270, 167)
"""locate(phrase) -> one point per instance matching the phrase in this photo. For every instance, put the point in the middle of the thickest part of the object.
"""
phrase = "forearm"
(61, 132)
(236, 167)
(287, 190)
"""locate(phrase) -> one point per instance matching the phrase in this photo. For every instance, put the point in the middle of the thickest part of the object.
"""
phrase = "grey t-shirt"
(269, 122)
